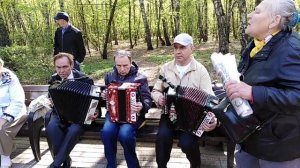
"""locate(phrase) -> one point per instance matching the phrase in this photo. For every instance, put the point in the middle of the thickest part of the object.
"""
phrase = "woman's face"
(258, 22)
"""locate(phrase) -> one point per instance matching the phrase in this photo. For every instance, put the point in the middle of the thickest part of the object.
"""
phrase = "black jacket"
(135, 77)
(71, 42)
(274, 74)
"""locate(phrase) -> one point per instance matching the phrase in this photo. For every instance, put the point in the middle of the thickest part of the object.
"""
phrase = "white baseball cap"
(183, 39)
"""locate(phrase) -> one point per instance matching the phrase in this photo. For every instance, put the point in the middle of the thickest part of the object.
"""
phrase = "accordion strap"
(260, 126)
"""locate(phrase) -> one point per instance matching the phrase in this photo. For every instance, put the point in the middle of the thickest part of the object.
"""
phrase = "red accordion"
(120, 99)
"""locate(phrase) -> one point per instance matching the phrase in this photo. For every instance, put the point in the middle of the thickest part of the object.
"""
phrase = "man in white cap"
(68, 39)
(184, 70)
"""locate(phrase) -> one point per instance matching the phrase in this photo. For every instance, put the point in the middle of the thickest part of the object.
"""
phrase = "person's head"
(63, 63)
(123, 62)
(270, 16)
(61, 19)
(183, 49)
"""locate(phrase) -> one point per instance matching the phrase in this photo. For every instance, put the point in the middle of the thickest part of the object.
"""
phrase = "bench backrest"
(34, 91)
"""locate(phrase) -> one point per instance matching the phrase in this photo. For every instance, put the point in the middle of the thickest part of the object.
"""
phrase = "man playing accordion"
(63, 135)
(124, 71)
(184, 70)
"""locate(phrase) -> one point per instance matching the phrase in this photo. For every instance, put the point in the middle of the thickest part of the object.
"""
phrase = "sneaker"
(5, 161)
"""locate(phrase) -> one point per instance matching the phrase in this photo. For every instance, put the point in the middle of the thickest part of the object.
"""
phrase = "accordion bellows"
(191, 105)
(73, 100)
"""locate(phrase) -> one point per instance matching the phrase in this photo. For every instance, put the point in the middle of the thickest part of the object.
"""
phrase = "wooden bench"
(146, 134)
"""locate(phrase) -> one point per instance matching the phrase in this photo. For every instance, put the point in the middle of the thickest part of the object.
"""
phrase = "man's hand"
(103, 94)
(137, 107)
(211, 125)
(2, 122)
(93, 117)
(161, 100)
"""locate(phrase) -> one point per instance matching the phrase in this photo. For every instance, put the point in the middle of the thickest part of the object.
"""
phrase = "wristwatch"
(8, 118)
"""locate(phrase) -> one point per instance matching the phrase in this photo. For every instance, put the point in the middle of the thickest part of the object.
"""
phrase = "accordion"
(187, 108)
(75, 101)
(120, 99)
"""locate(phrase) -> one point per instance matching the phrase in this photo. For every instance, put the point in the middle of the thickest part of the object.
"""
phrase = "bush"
(30, 64)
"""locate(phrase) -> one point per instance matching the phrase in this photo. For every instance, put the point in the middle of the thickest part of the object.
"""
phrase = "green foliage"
(29, 64)
(159, 58)
(96, 67)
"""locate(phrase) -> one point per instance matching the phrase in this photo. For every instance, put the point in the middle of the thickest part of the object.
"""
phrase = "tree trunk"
(205, 28)
(165, 27)
(83, 25)
(222, 27)
(176, 11)
(62, 5)
(243, 26)
(115, 33)
(4, 35)
(111, 17)
(158, 24)
(129, 23)
(146, 25)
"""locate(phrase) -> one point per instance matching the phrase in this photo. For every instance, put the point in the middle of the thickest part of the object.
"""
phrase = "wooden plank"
(90, 153)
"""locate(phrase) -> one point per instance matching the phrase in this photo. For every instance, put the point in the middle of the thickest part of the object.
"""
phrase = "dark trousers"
(63, 138)
(164, 142)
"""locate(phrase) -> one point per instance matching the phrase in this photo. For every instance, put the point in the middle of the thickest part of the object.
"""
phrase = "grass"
(96, 67)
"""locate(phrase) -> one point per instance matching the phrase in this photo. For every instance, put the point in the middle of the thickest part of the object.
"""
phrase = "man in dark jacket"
(125, 71)
(68, 39)
(62, 135)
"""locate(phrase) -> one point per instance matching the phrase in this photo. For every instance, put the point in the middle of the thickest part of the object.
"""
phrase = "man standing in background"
(68, 39)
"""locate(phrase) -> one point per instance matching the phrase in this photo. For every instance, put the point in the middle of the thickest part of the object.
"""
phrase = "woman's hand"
(236, 89)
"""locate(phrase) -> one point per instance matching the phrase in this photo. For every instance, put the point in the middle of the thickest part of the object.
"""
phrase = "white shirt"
(182, 69)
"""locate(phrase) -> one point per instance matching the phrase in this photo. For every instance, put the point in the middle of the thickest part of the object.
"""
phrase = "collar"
(71, 76)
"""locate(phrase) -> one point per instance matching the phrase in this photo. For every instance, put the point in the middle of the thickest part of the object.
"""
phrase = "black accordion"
(120, 98)
(187, 108)
(74, 101)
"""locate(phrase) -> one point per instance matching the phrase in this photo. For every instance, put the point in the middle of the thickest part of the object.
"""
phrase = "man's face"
(123, 65)
(60, 22)
(63, 67)
(183, 54)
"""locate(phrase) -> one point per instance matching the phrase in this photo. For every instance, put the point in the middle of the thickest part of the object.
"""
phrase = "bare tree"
(146, 25)
(243, 24)
(223, 31)
(165, 27)
(176, 11)
(111, 17)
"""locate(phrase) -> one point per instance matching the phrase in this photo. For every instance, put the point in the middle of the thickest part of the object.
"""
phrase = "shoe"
(53, 166)
(5, 161)
(67, 163)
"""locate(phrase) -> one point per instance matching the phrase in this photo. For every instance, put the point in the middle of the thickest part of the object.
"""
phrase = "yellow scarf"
(259, 44)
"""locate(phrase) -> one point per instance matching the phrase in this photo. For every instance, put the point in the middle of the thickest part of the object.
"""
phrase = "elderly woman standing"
(12, 112)
(270, 70)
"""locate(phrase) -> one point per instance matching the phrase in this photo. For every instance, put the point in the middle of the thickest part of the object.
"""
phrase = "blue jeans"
(164, 142)
(63, 138)
(126, 133)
